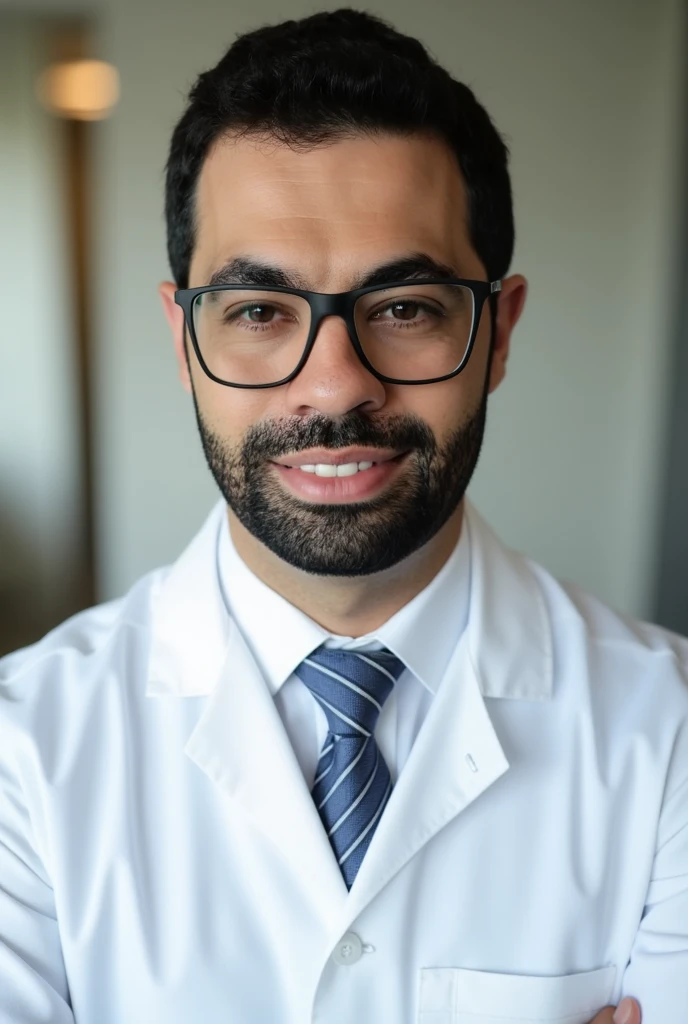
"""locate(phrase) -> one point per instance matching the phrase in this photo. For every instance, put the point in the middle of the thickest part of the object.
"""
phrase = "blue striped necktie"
(352, 782)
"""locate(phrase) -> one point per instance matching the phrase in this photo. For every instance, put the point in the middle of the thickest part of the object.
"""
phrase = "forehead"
(333, 209)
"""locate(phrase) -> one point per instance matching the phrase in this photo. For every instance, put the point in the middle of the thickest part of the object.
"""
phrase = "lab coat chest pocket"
(452, 995)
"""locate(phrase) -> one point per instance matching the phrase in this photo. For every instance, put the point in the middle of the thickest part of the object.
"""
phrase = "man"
(349, 759)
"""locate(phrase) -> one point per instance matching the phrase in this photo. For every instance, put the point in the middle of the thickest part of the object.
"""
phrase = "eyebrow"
(257, 273)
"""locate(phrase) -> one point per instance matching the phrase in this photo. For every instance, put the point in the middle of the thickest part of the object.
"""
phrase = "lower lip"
(337, 489)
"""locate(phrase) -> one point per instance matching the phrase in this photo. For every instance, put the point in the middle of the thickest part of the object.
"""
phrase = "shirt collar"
(423, 633)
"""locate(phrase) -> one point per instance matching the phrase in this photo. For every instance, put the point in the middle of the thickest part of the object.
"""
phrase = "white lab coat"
(162, 860)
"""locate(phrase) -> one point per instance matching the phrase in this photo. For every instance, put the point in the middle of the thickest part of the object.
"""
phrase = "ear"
(510, 302)
(175, 318)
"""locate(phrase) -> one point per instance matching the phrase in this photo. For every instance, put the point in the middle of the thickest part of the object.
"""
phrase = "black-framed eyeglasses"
(419, 331)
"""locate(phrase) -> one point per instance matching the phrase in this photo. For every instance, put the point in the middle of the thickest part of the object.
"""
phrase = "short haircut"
(331, 76)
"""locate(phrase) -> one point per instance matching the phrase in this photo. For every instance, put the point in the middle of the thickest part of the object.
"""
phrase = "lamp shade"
(81, 90)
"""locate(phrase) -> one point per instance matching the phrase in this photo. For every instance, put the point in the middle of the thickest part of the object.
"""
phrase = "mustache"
(271, 440)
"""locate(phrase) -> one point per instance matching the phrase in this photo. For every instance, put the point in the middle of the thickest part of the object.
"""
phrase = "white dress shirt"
(424, 634)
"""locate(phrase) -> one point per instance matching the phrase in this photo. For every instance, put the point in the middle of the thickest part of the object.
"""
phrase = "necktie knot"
(351, 687)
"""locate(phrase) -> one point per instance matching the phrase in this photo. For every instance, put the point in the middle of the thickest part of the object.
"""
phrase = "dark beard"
(355, 538)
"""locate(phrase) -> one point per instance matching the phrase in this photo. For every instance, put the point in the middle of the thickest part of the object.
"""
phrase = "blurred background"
(584, 464)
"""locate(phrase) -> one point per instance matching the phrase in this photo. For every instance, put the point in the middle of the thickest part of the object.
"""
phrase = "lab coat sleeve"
(33, 982)
(657, 972)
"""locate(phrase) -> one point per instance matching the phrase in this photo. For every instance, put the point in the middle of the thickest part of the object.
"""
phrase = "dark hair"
(330, 76)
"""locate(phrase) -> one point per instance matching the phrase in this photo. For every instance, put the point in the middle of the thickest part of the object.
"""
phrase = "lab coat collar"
(509, 629)
(190, 628)
(511, 653)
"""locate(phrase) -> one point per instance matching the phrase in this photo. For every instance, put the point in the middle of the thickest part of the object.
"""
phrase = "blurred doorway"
(46, 518)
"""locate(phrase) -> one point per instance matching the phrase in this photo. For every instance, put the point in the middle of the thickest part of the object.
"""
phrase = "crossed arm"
(606, 1016)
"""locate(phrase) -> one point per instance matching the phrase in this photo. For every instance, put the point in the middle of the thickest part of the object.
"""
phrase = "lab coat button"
(348, 950)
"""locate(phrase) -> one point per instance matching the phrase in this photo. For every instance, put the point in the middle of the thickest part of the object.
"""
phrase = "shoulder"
(621, 677)
(64, 671)
(552, 637)
(579, 616)
(91, 672)
(631, 676)
(551, 627)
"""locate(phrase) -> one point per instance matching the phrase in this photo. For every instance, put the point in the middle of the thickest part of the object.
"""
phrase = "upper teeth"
(327, 469)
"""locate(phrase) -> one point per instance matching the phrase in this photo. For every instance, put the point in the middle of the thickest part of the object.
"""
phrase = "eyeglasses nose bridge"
(337, 305)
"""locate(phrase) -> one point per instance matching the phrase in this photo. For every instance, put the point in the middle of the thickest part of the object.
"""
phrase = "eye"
(257, 313)
(405, 310)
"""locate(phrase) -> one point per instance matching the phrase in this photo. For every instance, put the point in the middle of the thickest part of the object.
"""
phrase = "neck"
(349, 606)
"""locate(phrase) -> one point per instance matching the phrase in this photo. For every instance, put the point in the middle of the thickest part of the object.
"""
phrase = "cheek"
(229, 412)
(450, 403)
(443, 406)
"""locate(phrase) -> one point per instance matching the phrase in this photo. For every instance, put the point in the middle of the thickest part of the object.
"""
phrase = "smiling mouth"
(345, 469)
(334, 482)
(327, 469)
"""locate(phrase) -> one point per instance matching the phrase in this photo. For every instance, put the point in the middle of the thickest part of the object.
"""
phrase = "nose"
(334, 381)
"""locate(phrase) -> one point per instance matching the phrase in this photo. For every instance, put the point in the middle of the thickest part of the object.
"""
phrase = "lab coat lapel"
(241, 744)
(455, 757)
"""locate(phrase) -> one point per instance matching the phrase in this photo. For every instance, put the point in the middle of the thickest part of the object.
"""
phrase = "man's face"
(327, 217)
